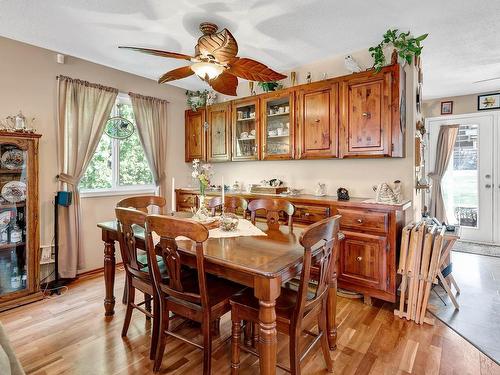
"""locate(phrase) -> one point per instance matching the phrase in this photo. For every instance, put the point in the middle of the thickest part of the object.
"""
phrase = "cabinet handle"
(359, 259)
(367, 114)
(317, 120)
(307, 214)
(360, 221)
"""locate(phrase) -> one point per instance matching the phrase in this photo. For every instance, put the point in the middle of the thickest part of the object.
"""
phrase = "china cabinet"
(245, 129)
(277, 123)
(19, 227)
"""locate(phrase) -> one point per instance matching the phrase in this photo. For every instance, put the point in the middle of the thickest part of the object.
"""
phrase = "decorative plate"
(4, 219)
(13, 159)
(14, 191)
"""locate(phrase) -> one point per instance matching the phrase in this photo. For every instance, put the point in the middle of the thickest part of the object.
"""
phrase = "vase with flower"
(202, 173)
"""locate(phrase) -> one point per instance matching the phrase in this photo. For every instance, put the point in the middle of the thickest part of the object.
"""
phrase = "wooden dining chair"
(203, 299)
(231, 204)
(137, 275)
(296, 308)
(272, 208)
(146, 204)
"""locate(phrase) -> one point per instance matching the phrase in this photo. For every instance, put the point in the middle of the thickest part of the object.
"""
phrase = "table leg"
(267, 291)
(331, 312)
(109, 276)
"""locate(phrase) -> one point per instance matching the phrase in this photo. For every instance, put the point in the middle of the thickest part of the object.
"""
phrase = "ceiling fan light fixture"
(205, 69)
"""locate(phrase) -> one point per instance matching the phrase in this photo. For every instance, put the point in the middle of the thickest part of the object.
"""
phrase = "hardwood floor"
(69, 335)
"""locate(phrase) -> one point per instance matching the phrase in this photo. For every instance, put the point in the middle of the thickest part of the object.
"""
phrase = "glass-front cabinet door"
(277, 120)
(18, 226)
(245, 114)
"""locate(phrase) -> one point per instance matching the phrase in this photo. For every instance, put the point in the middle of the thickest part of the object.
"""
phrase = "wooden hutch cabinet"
(195, 137)
(357, 115)
(318, 120)
(19, 227)
(219, 132)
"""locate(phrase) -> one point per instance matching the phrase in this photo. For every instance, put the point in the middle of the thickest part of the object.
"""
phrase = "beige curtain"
(444, 151)
(83, 110)
(151, 118)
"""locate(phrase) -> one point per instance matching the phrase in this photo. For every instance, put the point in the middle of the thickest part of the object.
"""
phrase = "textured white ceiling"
(463, 46)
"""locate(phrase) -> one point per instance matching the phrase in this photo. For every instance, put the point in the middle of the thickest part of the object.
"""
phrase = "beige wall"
(28, 83)
(357, 175)
(461, 105)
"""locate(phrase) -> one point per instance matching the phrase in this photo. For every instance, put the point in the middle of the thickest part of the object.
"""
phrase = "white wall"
(28, 83)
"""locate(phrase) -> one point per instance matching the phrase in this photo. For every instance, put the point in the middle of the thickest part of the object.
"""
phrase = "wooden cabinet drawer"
(186, 201)
(364, 220)
(362, 260)
(310, 214)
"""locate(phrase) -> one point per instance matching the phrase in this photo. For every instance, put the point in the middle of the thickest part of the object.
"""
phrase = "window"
(118, 166)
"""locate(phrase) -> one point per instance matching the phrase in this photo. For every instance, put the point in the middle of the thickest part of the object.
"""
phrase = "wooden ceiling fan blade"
(254, 71)
(157, 52)
(174, 74)
(221, 45)
(225, 84)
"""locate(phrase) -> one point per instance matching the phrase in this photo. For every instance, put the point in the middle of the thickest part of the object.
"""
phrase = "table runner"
(245, 228)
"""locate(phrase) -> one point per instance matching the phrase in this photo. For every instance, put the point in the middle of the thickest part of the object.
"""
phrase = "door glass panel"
(245, 136)
(13, 193)
(461, 181)
(278, 126)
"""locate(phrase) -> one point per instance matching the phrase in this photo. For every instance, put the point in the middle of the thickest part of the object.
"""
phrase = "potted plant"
(406, 47)
(269, 86)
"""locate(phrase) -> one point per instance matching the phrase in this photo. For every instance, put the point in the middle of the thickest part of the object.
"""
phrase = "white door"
(468, 185)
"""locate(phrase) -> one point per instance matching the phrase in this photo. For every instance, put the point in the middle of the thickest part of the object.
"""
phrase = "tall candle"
(223, 192)
(173, 195)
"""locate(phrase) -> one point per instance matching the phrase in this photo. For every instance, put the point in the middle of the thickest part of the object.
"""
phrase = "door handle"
(487, 186)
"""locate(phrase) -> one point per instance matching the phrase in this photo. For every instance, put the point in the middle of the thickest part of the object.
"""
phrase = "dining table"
(261, 262)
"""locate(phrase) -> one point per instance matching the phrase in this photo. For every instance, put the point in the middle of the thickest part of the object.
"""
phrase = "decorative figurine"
(320, 190)
(308, 77)
(385, 194)
(342, 194)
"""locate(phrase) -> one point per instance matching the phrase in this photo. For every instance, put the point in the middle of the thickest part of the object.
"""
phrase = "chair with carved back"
(203, 299)
(272, 208)
(231, 204)
(146, 204)
(296, 308)
(137, 275)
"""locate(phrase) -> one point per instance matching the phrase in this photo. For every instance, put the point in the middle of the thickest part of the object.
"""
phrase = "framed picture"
(447, 108)
(488, 101)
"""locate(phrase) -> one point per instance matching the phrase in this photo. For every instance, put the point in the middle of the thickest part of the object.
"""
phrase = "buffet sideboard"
(367, 259)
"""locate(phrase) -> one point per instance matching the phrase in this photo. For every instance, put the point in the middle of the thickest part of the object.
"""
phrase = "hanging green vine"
(406, 46)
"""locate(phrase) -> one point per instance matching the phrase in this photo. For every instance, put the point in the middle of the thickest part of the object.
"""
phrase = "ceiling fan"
(215, 62)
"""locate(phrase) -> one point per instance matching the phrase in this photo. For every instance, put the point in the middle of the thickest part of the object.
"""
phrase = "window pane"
(134, 168)
(460, 183)
(98, 174)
